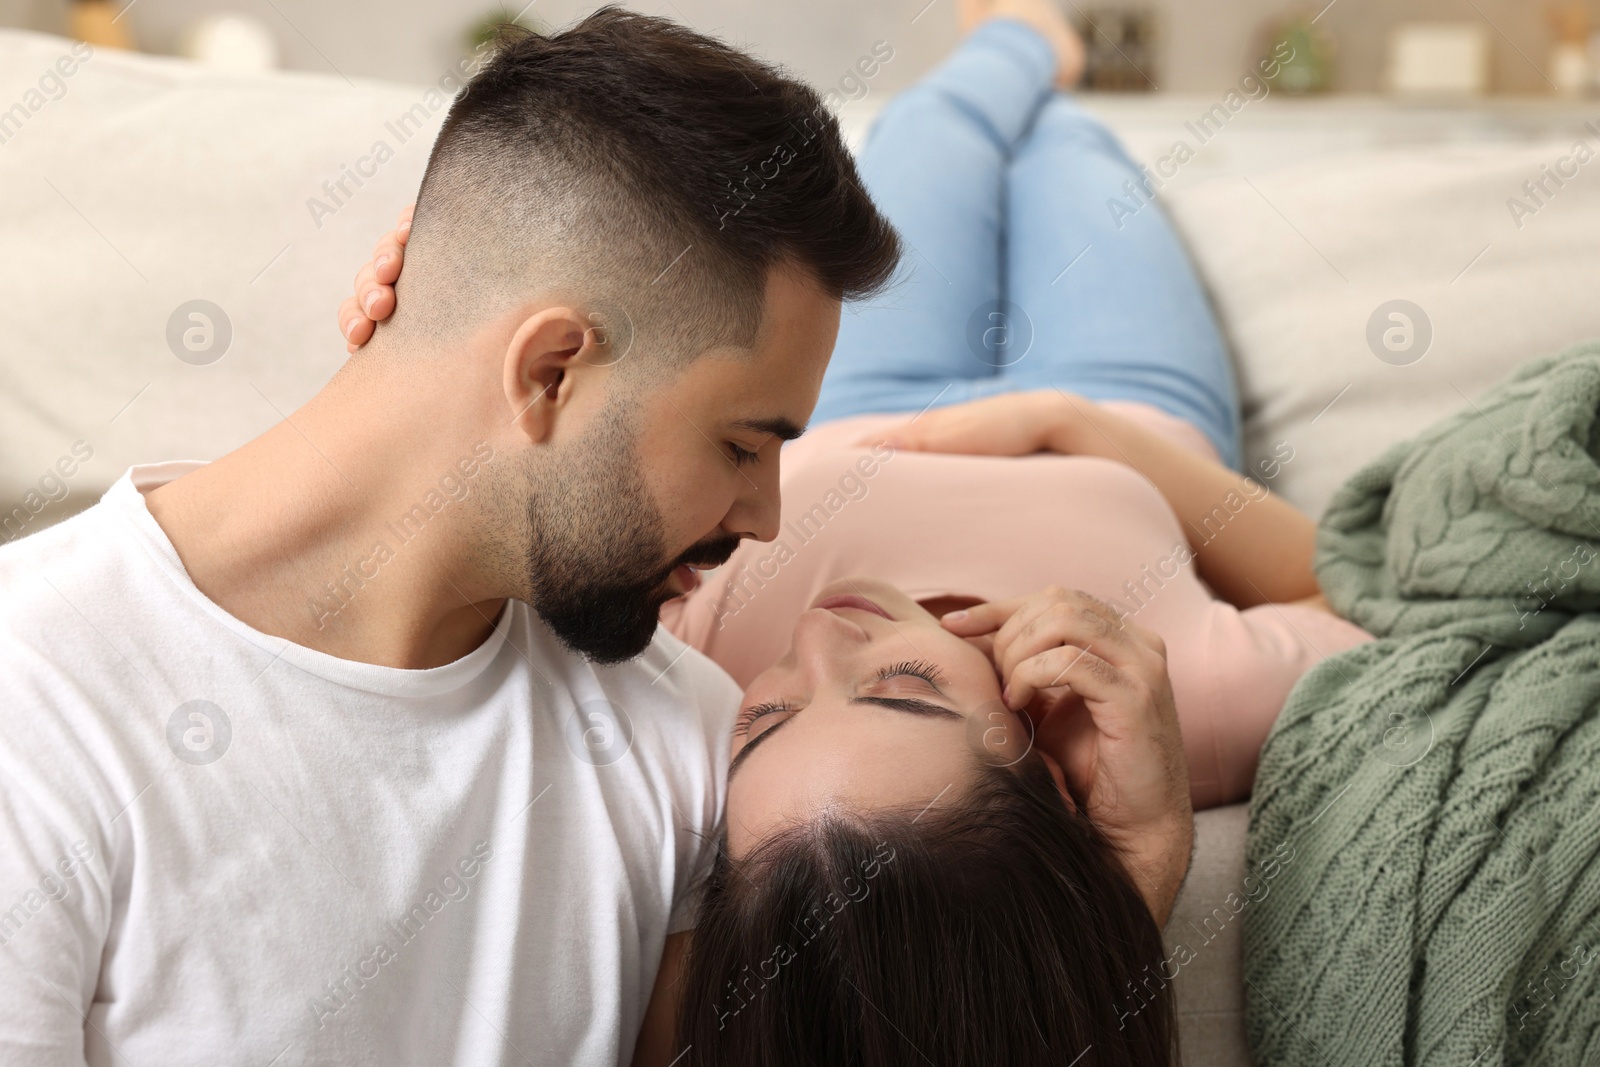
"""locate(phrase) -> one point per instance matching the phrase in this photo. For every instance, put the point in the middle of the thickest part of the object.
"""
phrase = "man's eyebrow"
(780, 427)
(909, 705)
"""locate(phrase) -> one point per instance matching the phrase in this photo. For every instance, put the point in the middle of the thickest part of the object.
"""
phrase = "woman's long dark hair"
(1002, 930)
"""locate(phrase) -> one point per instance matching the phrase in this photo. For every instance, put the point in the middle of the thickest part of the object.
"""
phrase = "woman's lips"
(850, 600)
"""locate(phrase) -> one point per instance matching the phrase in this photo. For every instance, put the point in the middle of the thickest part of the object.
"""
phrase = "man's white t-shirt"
(219, 847)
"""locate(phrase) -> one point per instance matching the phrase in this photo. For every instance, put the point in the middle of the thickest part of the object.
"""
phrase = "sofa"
(176, 241)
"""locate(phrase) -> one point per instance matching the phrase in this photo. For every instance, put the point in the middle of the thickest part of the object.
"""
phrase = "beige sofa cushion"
(149, 183)
(1205, 942)
(1297, 261)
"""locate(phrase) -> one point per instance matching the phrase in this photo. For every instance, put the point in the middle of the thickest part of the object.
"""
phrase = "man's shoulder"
(683, 673)
(70, 614)
(679, 702)
(83, 609)
(45, 573)
(671, 657)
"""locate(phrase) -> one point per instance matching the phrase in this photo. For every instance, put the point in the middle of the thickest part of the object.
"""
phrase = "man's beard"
(597, 561)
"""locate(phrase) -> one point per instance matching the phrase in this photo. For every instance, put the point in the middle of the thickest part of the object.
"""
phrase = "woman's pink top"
(940, 525)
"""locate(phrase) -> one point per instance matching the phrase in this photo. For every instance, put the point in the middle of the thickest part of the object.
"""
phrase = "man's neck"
(351, 527)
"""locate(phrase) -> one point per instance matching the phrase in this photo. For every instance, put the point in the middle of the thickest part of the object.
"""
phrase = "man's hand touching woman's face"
(1095, 687)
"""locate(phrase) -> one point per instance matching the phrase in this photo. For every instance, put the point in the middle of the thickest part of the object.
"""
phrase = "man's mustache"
(713, 553)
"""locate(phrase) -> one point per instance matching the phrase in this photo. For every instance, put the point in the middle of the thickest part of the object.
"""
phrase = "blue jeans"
(1018, 275)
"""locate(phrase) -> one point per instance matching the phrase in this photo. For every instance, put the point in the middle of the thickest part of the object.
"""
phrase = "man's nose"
(757, 510)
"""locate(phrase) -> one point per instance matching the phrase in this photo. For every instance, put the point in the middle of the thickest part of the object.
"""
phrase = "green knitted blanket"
(1424, 841)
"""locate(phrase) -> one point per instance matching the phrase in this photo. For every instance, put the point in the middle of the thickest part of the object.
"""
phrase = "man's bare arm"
(658, 1034)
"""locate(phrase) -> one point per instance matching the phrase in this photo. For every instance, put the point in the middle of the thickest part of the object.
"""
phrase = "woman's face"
(875, 705)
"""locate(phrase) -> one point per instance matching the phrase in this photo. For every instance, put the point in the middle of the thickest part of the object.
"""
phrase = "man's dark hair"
(1000, 930)
(650, 174)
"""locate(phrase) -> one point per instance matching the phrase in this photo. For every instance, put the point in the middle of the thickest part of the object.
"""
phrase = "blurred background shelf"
(1277, 129)
(1291, 129)
(1196, 46)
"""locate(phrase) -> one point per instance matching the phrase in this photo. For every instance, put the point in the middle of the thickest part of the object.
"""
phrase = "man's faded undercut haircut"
(649, 175)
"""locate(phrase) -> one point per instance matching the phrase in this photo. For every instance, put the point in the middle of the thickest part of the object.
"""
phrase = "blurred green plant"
(1310, 68)
(487, 27)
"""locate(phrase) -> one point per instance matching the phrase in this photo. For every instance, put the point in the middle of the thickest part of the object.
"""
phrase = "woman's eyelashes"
(749, 716)
(915, 668)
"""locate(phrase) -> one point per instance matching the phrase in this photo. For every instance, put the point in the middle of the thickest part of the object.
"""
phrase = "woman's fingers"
(898, 436)
(959, 433)
(946, 430)
(1010, 424)
(387, 257)
(366, 286)
(374, 285)
(944, 427)
(372, 293)
(354, 324)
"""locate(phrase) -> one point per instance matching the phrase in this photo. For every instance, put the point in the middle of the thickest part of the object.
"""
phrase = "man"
(361, 744)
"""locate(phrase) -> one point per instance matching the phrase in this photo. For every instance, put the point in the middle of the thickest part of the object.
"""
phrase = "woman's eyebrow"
(909, 705)
(750, 745)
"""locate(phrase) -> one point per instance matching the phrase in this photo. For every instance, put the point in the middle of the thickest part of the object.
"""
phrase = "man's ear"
(539, 363)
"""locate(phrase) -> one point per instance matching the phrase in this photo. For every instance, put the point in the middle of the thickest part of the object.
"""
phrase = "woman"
(956, 810)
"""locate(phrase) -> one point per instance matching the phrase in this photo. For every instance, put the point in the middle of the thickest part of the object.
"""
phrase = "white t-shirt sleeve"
(54, 903)
(56, 814)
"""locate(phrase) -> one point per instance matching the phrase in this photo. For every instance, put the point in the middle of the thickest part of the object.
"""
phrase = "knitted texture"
(1425, 815)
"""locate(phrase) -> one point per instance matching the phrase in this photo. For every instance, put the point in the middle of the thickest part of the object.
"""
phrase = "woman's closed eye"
(913, 668)
(920, 669)
(751, 715)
